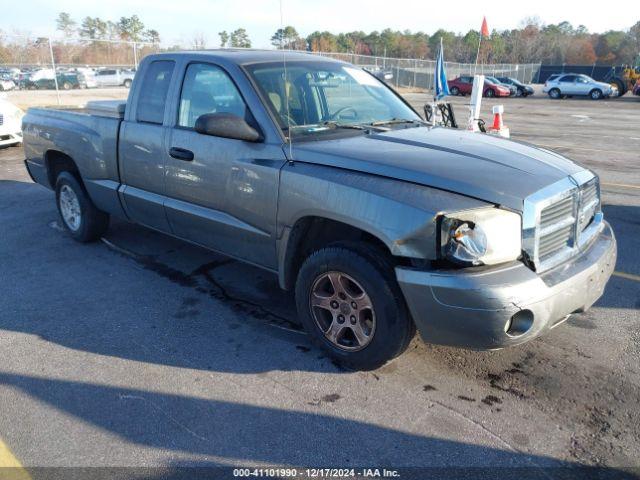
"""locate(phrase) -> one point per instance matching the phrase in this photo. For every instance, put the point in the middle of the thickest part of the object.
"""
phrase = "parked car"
(10, 123)
(88, 75)
(464, 84)
(384, 74)
(512, 90)
(66, 81)
(572, 84)
(114, 78)
(328, 179)
(522, 90)
(6, 84)
(10, 74)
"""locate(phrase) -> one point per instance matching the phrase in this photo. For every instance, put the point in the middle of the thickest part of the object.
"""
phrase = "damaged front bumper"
(499, 307)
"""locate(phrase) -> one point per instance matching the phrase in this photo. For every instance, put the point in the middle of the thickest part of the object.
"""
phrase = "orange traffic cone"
(498, 127)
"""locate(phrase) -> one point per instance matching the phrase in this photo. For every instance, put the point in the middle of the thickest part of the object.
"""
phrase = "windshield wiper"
(367, 127)
(352, 126)
(395, 121)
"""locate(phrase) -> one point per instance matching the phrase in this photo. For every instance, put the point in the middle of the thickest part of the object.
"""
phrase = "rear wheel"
(351, 305)
(520, 93)
(127, 83)
(455, 91)
(67, 86)
(554, 93)
(80, 217)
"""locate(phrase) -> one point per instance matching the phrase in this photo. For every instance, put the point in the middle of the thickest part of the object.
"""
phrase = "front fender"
(400, 214)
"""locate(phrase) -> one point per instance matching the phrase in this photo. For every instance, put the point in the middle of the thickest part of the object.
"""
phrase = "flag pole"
(475, 68)
(434, 104)
(436, 71)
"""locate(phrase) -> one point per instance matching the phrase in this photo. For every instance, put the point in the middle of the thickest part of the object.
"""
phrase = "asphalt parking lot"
(143, 351)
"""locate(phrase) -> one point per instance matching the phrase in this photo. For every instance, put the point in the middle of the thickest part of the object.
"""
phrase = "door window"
(153, 92)
(208, 89)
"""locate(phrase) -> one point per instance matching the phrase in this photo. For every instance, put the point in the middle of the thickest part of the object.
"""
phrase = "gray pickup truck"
(317, 171)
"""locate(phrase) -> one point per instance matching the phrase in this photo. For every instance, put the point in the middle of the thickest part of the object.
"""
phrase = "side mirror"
(226, 125)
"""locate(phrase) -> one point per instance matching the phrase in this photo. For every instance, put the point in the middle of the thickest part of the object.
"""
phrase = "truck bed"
(88, 135)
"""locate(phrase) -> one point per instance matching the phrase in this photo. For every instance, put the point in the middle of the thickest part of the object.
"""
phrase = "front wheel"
(554, 93)
(455, 91)
(127, 83)
(596, 94)
(349, 302)
(80, 217)
(489, 93)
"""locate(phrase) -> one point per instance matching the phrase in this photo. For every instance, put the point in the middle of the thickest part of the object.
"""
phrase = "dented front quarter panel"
(401, 214)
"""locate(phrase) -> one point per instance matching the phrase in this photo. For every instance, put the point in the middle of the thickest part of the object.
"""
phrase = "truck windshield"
(315, 97)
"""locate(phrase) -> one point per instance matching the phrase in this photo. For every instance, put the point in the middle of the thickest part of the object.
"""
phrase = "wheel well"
(313, 233)
(58, 162)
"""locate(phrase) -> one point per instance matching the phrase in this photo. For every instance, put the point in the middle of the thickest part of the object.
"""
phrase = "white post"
(55, 74)
(135, 55)
(476, 102)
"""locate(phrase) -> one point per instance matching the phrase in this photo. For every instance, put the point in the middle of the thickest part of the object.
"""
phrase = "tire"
(555, 94)
(520, 93)
(455, 91)
(357, 268)
(127, 83)
(489, 93)
(78, 215)
(621, 85)
(67, 86)
(595, 94)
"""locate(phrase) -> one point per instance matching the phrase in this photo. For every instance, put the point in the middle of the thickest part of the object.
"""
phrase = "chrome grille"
(556, 227)
(589, 204)
(560, 219)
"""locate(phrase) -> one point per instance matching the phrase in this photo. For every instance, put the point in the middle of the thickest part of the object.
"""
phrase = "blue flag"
(441, 85)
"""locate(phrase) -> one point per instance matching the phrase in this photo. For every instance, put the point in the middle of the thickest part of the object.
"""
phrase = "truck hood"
(482, 166)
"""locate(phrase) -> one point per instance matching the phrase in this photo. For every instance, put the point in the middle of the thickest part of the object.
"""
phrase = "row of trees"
(130, 29)
(532, 42)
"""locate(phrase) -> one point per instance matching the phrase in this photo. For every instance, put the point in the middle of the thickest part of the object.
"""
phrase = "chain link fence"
(419, 74)
(41, 63)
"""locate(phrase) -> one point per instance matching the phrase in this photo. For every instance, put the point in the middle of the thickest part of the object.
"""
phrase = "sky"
(178, 21)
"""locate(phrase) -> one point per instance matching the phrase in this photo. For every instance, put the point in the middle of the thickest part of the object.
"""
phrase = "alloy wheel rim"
(342, 310)
(70, 207)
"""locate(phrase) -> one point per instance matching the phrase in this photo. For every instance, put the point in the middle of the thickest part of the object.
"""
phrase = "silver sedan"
(570, 84)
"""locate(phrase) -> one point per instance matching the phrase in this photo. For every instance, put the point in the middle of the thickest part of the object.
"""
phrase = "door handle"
(181, 154)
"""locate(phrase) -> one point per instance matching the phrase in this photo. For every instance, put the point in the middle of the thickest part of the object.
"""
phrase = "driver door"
(221, 192)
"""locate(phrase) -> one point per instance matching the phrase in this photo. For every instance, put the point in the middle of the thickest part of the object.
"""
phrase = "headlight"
(486, 236)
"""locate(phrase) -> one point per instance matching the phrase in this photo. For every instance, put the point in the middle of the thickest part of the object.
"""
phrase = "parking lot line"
(14, 469)
(622, 185)
(628, 276)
